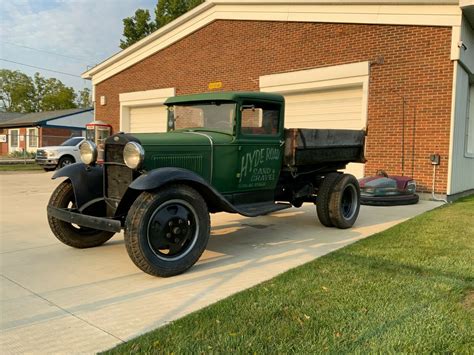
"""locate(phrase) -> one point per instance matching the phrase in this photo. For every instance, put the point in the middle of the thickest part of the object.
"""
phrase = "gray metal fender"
(163, 176)
(87, 181)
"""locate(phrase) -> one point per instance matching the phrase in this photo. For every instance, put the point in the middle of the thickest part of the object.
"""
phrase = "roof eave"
(208, 4)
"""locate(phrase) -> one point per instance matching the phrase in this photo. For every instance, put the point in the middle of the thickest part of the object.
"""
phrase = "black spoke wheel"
(67, 160)
(173, 230)
(167, 230)
(344, 202)
(72, 234)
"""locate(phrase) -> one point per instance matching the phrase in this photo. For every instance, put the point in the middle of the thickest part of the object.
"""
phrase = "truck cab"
(222, 152)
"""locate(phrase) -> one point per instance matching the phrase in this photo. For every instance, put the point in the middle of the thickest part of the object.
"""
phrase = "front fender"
(163, 176)
(87, 181)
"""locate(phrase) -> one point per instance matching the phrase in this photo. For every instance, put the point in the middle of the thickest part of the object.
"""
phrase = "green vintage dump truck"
(223, 152)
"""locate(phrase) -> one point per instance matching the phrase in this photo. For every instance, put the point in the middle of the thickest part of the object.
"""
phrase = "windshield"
(214, 116)
(71, 142)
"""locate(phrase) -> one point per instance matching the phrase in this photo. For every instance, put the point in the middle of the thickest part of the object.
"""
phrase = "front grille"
(117, 175)
(40, 153)
(118, 179)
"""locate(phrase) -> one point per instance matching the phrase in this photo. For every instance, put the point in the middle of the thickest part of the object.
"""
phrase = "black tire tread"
(337, 218)
(62, 230)
(324, 195)
(397, 200)
(132, 227)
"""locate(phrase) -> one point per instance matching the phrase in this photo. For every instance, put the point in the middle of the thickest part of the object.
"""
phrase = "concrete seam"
(63, 309)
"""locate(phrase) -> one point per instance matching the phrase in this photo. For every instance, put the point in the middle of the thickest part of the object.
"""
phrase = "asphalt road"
(58, 299)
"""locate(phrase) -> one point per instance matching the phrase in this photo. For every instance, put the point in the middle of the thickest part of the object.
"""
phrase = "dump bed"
(319, 146)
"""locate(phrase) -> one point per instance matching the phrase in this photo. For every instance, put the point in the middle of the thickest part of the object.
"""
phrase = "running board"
(260, 209)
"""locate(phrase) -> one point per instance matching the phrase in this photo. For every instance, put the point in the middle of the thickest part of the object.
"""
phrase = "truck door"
(260, 149)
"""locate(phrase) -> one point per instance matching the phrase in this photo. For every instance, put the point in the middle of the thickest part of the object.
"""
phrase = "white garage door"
(148, 119)
(337, 108)
(331, 108)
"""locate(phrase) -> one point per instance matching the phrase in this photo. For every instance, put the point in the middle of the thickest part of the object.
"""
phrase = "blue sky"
(77, 33)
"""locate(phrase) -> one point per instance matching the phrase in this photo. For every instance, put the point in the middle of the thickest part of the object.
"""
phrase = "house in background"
(29, 131)
(402, 70)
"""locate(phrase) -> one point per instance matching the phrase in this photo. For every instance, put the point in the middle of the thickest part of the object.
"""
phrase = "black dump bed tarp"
(319, 146)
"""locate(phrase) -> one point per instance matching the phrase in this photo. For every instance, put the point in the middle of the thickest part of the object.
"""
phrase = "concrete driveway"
(59, 299)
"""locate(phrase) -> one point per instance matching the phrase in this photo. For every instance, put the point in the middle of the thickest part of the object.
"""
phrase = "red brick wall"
(416, 65)
(55, 136)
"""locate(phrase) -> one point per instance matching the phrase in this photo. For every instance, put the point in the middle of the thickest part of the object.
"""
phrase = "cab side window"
(260, 119)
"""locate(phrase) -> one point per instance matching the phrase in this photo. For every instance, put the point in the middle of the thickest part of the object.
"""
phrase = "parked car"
(222, 152)
(51, 158)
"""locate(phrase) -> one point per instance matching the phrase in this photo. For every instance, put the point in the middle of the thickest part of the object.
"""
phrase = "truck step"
(260, 209)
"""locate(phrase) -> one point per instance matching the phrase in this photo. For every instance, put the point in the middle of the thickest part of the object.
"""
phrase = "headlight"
(133, 155)
(88, 152)
(51, 154)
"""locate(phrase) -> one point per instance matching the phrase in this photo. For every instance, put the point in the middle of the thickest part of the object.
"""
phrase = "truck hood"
(194, 137)
(55, 148)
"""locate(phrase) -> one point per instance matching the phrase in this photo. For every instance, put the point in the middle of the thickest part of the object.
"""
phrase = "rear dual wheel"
(167, 230)
(338, 201)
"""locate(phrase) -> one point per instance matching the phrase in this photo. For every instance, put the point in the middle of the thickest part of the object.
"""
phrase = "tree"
(52, 94)
(140, 25)
(84, 99)
(136, 27)
(17, 91)
(21, 93)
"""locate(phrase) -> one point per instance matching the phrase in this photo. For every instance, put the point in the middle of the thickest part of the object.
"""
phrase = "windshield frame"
(232, 120)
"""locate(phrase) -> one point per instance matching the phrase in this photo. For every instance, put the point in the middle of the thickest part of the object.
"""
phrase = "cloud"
(87, 30)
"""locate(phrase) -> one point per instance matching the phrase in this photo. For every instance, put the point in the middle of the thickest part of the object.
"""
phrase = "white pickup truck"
(51, 158)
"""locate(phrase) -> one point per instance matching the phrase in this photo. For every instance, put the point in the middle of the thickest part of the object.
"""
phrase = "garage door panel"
(331, 108)
(321, 96)
(298, 109)
(328, 108)
(148, 119)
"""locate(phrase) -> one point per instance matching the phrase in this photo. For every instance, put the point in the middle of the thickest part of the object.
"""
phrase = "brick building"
(403, 70)
(28, 131)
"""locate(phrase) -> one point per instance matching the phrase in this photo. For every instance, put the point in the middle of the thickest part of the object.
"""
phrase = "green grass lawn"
(408, 289)
(19, 167)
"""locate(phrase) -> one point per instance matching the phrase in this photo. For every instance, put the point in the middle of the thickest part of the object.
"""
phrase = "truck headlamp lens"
(133, 155)
(88, 152)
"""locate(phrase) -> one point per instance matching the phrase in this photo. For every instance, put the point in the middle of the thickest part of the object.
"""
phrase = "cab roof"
(226, 96)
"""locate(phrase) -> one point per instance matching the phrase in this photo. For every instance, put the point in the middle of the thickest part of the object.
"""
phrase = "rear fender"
(87, 181)
(158, 178)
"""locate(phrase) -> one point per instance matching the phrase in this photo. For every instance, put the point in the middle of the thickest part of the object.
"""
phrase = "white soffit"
(422, 13)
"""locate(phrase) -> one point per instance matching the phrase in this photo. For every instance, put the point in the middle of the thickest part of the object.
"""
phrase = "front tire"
(66, 160)
(344, 204)
(69, 234)
(167, 230)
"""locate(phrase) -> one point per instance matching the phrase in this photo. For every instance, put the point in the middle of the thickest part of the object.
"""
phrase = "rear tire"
(344, 203)
(324, 195)
(167, 230)
(69, 234)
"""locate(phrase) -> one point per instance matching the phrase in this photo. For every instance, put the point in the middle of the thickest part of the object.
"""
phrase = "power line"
(33, 66)
(81, 59)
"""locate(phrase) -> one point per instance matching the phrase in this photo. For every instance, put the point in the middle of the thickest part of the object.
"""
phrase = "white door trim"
(27, 137)
(141, 99)
(10, 148)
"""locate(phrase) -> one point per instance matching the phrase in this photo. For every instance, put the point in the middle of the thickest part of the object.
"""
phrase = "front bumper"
(83, 220)
(47, 163)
